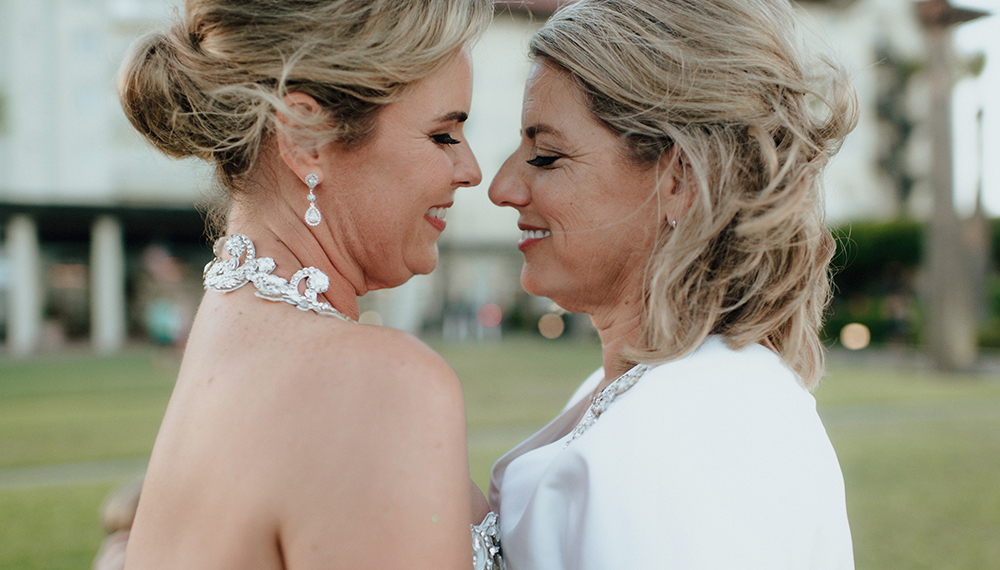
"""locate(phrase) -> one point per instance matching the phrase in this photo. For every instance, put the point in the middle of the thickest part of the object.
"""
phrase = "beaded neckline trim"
(227, 275)
(600, 403)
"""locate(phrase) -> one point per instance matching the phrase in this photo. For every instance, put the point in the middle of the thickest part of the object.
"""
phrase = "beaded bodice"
(486, 544)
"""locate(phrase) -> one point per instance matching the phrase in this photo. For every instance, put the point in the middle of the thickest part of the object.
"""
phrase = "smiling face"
(388, 198)
(589, 216)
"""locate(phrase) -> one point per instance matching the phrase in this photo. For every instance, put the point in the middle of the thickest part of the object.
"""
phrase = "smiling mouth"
(534, 234)
(531, 237)
(437, 213)
(436, 216)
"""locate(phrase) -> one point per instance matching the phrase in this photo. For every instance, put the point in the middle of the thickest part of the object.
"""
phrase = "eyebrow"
(457, 116)
(535, 130)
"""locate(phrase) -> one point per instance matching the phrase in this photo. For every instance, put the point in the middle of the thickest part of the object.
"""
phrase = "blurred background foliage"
(877, 275)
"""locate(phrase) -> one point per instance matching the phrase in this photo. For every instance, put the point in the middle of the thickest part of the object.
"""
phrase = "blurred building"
(81, 197)
(102, 240)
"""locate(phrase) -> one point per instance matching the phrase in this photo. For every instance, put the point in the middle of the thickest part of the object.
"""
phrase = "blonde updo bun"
(210, 85)
(724, 82)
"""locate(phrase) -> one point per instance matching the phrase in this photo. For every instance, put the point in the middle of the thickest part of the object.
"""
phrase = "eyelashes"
(542, 161)
(444, 139)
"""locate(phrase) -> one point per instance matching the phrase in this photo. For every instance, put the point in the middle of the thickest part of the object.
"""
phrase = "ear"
(300, 156)
(677, 186)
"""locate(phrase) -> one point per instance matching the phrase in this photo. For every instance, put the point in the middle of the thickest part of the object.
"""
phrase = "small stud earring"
(313, 217)
(673, 223)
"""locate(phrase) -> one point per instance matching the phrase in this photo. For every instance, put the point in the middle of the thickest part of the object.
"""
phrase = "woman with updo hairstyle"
(668, 185)
(295, 436)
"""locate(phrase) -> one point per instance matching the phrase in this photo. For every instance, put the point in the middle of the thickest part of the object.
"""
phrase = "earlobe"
(679, 202)
(679, 185)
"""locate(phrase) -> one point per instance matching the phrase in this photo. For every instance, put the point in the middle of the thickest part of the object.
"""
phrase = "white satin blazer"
(717, 461)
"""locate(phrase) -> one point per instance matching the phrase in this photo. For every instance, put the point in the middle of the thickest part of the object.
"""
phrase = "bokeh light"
(551, 325)
(490, 315)
(855, 336)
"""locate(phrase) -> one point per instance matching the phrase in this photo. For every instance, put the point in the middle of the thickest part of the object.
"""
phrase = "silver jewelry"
(227, 275)
(673, 223)
(486, 544)
(600, 402)
(313, 217)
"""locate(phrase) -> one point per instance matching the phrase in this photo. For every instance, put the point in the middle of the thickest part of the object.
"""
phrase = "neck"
(294, 246)
(618, 328)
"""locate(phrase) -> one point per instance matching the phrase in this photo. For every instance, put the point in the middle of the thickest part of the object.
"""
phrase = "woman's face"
(588, 215)
(397, 188)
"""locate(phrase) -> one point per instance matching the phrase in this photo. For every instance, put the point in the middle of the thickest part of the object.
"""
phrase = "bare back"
(294, 440)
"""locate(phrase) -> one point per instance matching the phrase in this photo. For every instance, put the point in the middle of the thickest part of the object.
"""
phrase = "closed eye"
(542, 161)
(444, 139)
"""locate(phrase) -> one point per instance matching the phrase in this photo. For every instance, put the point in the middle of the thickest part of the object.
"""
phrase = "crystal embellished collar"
(601, 402)
(227, 275)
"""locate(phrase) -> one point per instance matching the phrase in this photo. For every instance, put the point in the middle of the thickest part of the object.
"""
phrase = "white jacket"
(717, 461)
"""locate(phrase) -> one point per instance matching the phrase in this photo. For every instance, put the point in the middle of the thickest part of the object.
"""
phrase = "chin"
(533, 285)
(567, 298)
(426, 264)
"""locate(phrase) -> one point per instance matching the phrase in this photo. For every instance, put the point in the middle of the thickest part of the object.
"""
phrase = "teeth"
(438, 213)
(534, 234)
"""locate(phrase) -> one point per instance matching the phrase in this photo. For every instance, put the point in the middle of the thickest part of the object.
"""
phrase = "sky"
(970, 95)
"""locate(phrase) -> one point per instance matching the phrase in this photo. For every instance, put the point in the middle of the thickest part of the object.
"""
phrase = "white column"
(107, 285)
(25, 325)
(951, 319)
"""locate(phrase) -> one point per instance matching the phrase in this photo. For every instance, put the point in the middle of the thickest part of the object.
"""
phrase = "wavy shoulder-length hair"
(725, 85)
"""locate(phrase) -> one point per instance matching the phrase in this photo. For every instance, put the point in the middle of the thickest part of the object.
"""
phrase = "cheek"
(428, 175)
(605, 235)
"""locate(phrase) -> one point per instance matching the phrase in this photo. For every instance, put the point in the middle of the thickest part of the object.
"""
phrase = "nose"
(467, 171)
(507, 188)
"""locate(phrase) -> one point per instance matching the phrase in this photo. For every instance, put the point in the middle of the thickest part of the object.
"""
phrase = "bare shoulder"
(393, 366)
(374, 441)
(373, 384)
(401, 352)
(325, 435)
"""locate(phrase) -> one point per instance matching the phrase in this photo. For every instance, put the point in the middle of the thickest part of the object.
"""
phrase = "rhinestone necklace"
(600, 403)
(227, 275)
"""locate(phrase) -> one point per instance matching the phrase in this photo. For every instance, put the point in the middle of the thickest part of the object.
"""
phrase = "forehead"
(442, 94)
(550, 88)
(555, 105)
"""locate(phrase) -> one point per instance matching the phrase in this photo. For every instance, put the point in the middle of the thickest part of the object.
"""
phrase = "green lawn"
(920, 451)
(81, 408)
(921, 460)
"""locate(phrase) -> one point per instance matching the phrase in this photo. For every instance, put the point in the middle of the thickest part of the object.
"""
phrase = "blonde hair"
(723, 82)
(210, 85)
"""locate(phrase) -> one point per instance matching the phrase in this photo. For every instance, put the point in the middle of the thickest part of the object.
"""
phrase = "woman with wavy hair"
(296, 437)
(668, 184)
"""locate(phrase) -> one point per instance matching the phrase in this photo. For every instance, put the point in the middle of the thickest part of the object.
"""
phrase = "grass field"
(920, 451)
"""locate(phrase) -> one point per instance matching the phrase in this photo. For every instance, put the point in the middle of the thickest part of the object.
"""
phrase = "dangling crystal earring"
(313, 217)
